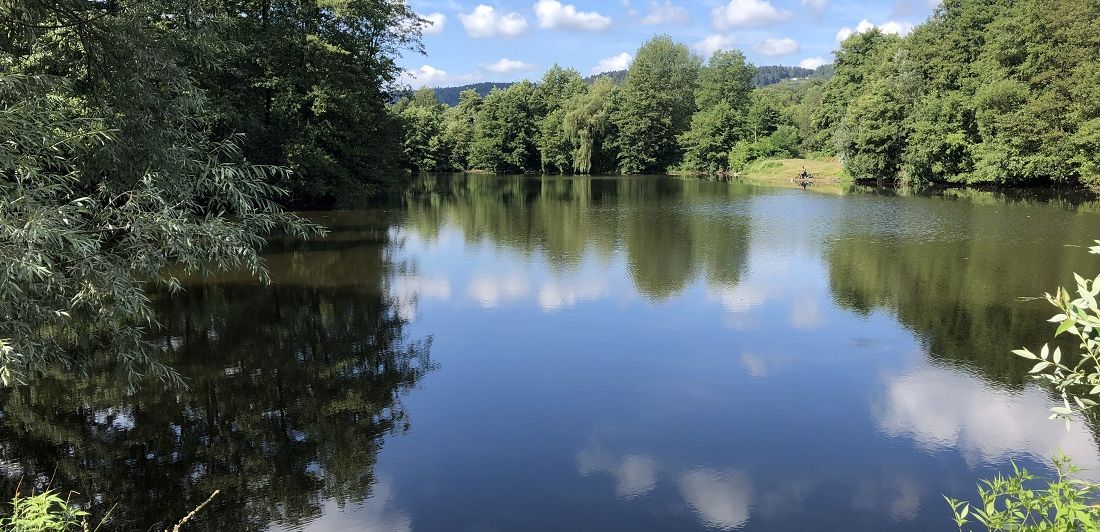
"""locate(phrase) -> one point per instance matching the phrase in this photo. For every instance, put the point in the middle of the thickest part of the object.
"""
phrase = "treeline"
(1003, 92)
(985, 92)
(672, 112)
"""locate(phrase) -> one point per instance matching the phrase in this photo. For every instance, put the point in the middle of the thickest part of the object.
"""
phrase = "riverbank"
(781, 171)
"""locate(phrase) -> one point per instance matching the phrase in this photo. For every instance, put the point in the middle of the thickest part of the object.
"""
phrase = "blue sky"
(509, 40)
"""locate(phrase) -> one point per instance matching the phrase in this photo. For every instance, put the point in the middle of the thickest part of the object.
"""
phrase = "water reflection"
(688, 228)
(615, 354)
(292, 389)
(635, 475)
(722, 499)
(940, 409)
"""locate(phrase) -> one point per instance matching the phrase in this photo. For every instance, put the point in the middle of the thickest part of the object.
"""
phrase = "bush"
(1022, 503)
(45, 512)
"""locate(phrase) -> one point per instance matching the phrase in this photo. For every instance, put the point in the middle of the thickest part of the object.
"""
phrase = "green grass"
(783, 170)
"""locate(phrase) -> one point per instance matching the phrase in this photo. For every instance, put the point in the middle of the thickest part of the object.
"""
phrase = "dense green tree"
(307, 82)
(986, 91)
(422, 121)
(459, 125)
(858, 58)
(656, 105)
(874, 131)
(722, 98)
(557, 88)
(726, 78)
(506, 131)
(587, 125)
(108, 176)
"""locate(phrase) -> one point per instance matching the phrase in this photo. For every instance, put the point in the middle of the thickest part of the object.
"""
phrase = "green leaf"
(1026, 354)
(1039, 367)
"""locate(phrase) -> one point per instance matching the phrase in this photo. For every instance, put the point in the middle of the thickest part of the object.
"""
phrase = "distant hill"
(765, 75)
(772, 74)
(449, 95)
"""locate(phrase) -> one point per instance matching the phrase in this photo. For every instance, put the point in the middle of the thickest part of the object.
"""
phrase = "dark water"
(588, 354)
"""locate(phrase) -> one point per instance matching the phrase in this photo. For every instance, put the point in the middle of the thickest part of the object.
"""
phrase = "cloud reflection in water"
(943, 409)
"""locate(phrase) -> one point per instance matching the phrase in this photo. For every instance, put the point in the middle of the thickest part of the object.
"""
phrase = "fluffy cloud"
(485, 21)
(897, 28)
(425, 75)
(555, 296)
(722, 500)
(507, 66)
(739, 298)
(773, 47)
(816, 5)
(555, 15)
(747, 13)
(813, 62)
(407, 291)
(490, 292)
(894, 27)
(435, 23)
(666, 13)
(615, 62)
(635, 475)
(946, 409)
(713, 43)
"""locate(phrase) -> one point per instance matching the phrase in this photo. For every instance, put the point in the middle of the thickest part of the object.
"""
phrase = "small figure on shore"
(803, 175)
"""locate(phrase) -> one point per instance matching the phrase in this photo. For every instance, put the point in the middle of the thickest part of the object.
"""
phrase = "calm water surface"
(510, 353)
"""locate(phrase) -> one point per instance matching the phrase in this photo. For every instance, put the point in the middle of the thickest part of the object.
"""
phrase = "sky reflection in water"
(511, 353)
(623, 354)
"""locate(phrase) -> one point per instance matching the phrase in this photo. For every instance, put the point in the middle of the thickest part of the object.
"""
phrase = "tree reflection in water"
(292, 389)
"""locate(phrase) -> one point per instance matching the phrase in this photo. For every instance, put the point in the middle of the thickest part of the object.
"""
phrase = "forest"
(986, 92)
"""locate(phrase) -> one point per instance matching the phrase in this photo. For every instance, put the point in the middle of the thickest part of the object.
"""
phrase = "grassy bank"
(783, 170)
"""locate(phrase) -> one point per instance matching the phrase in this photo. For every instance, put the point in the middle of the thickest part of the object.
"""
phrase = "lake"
(637, 353)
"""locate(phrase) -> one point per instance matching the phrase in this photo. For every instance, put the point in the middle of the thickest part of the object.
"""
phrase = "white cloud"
(424, 76)
(635, 475)
(407, 291)
(713, 43)
(813, 62)
(436, 21)
(490, 292)
(739, 298)
(615, 62)
(485, 21)
(747, 13)
(942, 409)
(555, 296)
(897, 28)
(893, 26)
(377, 513)
(773, 47)
(722, 500)
(761, 367)
(555, 15)
(806, 313)
(817, 5)
(507, 66)
(666, 13)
